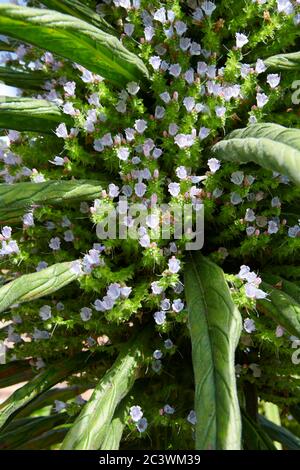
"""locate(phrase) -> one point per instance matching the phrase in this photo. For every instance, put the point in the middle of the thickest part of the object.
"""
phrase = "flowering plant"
(149, 104)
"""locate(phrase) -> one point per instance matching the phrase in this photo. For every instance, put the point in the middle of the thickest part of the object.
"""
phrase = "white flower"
(253, 292)
(260, 66)
(184, 140)
(241, 40)
(273, 80)
(181, 172)
(160, 15)
(76, 267)
(133, 88)
(28, 219)
(86, 313)
(214, 165)
(125, 292)
(70, 88)
(177, 305)
(189, 103)
(45, 312)
(261, 99)
(174, 189)
(160, 318)
(155, 61)
(149, 32)
(174, 265)
(61, 131)
(220, 111)
(68, 108)
(156, 289)
(250, 215)
(136, 413)
(58, 161)
(157, 354)
(285, 6)
(249, 325)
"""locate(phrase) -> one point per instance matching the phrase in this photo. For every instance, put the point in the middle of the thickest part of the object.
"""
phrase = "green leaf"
(81, 11)
(16, 198)
(26, 114)
(39, 384)
(73, 39)
(254, 437)
(285, 62)
(271, 146)
(36, 285)
(15, 372)
(115, 430)
(92, 425)
(282, 308)
(45, 440)
(280, 434)
(33, 428)
(282, 284)
(5, 46)
(215, 326)
(23, 79)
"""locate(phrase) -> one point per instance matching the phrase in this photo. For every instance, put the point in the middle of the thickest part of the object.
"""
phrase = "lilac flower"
(6, 232)
(68, 108)
(175, 70)
(185, 44)
(285, 6)
(272, 227)
(192, 418)
(157, 354)
(237, 177)
(149, 32)
(165, 304)
(125, 292)
(260, 66)
(68, 236)
(184, 140)
(261, 99)
(241, 40)
(45, 312)
(180, 27)
(140, 189)
(85, 313)
(294, 231)
(181, 172)
(140, 125)
(58, 161)
(174, 265)
(76, 267)
(220, 111)
(133, 88)
(235, 198)
(155, 61)
(114, 291)
(128, 29)
(61, 131)
(156, 289)
(279, 331)
(113, 190)
(159, 112)
(123, 153)
(249, 325)
(214, 165)
(94, 99)
(273, 80)
(142, 425)
(174, 189)
(203, 133)
(70, 88)
(40, 334)
(136, 413)
(189, 76)
(159, 317)
(250, 215)
(245, 70)
(253, 292)
(208, 7)
(160, 15)
(168, 343)
(55, 244)
(189, 103)
(41, 265)
(169, 410)
(177, 305)
(28, 219)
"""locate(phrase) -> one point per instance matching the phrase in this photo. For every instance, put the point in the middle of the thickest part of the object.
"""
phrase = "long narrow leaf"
(215, 326)
(45, 440)
(90, 428)
(40, 383)
(73, 39)
(26, 114)
(115, 430)
(23, 79)
(33, 286)
(15, 372)
(282, 308)
(282, 284)
(81, 11)
(285, 62)
(271, 146)
(280, 434)
(254, 437)
(16, 198)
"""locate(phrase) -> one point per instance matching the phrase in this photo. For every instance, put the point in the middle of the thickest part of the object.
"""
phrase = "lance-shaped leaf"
(73, 39)
(254, 437)
(45, 440)
(92, 425)
(115, 430)
(81, 11)
(215, 326)
(271, 146)
(26, 114)
(23, 79)
(285, 62)
(36, 285)
(280, 434)
(282, 308)
(15, 372)
(34, 427)
(43, 381)
(282, 284)
(6, 46)
(16, 198)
